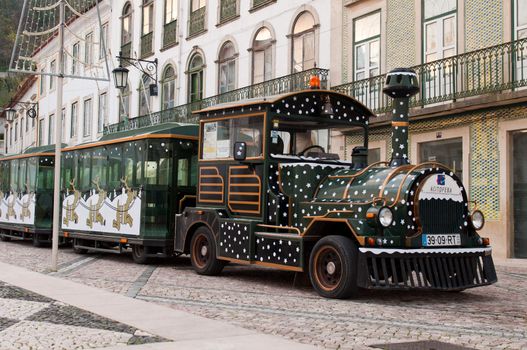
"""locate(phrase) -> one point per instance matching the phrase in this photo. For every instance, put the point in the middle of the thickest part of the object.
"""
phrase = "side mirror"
(240, 151)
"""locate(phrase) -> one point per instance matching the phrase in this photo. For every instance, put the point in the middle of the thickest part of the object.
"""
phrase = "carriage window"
(84, 171)
(99, 168)
(22, 176)
(182, 172)
(158, 167)
(114, 166)
(32, 173)
(219, 137)
(45, 174)
(14, 175)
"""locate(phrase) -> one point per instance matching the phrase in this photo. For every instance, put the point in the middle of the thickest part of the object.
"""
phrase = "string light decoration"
(39, 26)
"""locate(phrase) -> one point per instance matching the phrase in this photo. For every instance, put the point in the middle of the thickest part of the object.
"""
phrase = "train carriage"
(123, 191)
(26, 195)
(275, 188)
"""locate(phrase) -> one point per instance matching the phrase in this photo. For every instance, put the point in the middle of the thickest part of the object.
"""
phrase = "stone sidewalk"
(44, 312)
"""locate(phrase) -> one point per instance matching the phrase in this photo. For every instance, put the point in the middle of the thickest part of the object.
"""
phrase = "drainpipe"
(401, 84)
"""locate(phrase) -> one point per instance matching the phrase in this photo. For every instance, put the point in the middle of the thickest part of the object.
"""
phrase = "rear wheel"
(203, 253)
(139, 254)
(333, 267)
(36, 241)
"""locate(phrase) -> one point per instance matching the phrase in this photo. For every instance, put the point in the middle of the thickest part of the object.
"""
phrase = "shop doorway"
(519, 188)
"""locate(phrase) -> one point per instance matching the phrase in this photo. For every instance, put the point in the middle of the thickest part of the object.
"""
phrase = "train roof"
(308, 102)
(47, 150)
(165, 130)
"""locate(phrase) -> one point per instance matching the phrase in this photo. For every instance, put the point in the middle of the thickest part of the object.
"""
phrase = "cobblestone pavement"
(32, 321)
(273, 302)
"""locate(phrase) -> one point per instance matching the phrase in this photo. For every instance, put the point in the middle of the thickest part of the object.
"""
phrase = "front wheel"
(139, 254)
(203, 253)
(333, 267)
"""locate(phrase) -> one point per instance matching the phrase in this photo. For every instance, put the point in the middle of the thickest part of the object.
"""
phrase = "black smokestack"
(401, 85)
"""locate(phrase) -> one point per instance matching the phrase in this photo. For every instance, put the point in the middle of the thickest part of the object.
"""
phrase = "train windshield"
(316, 139)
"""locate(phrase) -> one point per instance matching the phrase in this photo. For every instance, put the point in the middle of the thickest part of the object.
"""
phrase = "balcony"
(492, 69)
(183, 114)
(126, 51)
(196, 22)
(228, 10)
(147, 45)
(170, 34)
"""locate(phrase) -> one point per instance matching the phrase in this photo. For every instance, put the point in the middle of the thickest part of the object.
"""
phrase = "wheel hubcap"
(331, 268)
(204, 250)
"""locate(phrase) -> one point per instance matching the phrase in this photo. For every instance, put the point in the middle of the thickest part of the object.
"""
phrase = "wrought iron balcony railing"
(228, 10)
(146, 45)
(183, 113)
(496, 68)
(170, 34)
(196, 22)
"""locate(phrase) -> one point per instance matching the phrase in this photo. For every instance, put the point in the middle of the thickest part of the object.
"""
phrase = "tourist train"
(268, 182)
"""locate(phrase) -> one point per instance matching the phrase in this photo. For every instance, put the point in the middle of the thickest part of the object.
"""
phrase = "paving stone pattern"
(31, 321)
(274, 302)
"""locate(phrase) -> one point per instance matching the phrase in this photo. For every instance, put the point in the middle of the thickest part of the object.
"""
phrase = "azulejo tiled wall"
(400, 34)
(483, 23)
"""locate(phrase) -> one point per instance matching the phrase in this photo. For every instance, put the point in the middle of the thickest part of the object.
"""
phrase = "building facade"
(470, 56)
(471, 113)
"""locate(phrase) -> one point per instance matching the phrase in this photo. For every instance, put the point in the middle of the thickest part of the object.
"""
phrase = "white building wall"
(278, 17)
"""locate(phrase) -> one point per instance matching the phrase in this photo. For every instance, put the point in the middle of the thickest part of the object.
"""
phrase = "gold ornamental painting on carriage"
(117, 211)
(17, 208)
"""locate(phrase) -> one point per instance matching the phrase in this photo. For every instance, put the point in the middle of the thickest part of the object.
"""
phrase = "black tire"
(203, 253)
(36, 242)
(5, 238)
(333, 267)
(139, 254)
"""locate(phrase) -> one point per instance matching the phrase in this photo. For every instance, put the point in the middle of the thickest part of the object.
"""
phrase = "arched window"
(195, 78)
(147, 28)
(262, 55)
(126, 29)
(124, 103)
(303, 42)
(227, 68)
(168, 86)
(145, 100)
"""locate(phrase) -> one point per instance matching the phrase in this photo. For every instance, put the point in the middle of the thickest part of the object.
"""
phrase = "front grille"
(426, 271)
(441, 216)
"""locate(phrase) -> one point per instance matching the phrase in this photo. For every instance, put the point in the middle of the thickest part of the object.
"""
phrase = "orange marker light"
(371, 241)
(314, 82)
(370, 215)
(486, 241)
(123, 240)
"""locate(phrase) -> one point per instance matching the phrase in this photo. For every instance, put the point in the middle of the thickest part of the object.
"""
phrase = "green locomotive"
(26, 195)
(274, 190)
(123, 191)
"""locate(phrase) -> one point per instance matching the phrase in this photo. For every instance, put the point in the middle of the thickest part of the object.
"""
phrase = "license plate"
(441, 240)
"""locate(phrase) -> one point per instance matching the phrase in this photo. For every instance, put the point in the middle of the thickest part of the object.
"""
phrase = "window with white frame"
(73, 119)
(124, 103)
(366, 45)
(51, 129)
(197, 4)
(227, 68)
(126, 24)
(145, 100)
(148, 17)
(41, 132)
(303, 42)
(88, 49)
(87, 117)
(103, 41)
(195, 78)
(171, 9)
(168, 87)
(262, 50)
(42, 82)
(520, 19)
(439, 29)
(53, 70)
(75, 53)
(103, 112)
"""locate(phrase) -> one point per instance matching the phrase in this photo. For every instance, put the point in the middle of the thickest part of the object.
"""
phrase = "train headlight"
(477, 219)
(385, 216)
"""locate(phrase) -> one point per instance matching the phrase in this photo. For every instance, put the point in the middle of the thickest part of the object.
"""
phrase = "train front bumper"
(440, 269)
